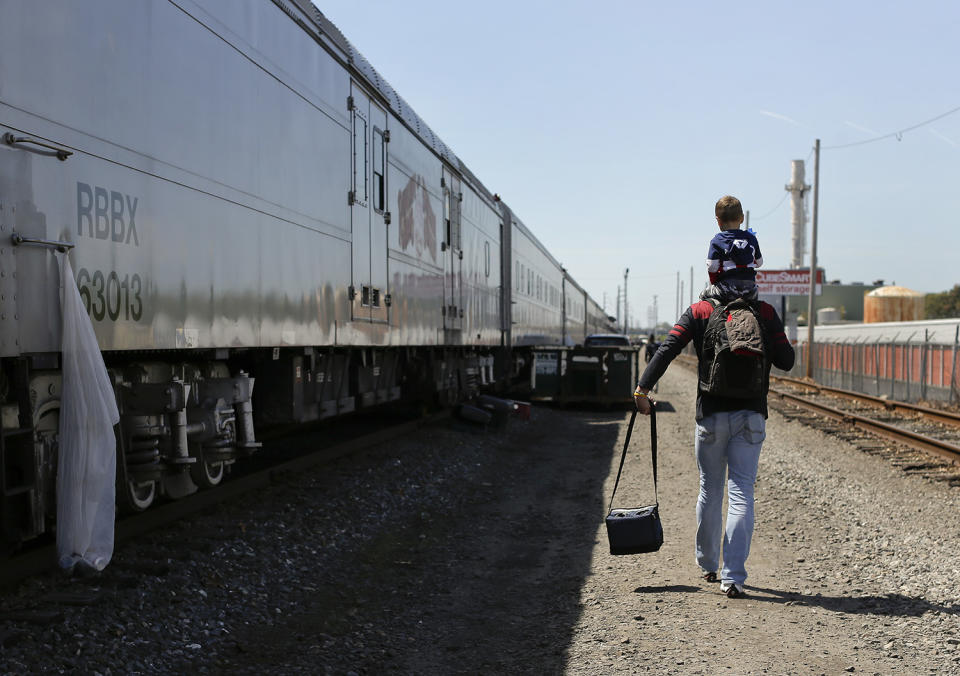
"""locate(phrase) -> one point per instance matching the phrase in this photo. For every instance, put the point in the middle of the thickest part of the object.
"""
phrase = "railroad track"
(43, 558)
(906, 434)
(920, 427)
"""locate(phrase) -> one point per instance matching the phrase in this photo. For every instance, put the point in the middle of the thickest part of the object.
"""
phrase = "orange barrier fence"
(903, 371)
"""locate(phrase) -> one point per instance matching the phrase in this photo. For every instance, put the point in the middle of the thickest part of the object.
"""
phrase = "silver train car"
(244, 201)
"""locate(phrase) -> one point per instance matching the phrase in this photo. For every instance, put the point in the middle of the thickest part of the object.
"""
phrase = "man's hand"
(642, 401)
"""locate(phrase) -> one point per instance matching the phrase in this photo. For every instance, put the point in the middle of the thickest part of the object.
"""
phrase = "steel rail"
(940, 416)
(944, 449)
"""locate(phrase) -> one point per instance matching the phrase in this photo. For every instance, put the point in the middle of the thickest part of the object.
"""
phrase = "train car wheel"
(140, 495)
(207, 474)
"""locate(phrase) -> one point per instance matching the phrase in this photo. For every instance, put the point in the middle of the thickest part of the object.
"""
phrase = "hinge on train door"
(386, 136)
(351, 197)
(386, 218)
(351, 292)
(350, 105)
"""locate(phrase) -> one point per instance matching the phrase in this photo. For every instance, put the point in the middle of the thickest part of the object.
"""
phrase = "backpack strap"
(653, 452)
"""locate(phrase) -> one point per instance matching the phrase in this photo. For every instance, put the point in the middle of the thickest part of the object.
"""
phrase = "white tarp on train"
(88, 448)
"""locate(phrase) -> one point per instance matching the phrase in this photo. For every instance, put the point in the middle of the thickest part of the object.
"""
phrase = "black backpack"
(733, 358)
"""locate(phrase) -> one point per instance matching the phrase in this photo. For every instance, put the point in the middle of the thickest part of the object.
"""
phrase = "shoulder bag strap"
(653, 452)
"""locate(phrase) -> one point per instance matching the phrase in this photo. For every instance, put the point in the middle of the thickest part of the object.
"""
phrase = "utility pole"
(691, 282)
(618, 305)
(746, 220)
(676, 312)
(811, 317)
(626, 324)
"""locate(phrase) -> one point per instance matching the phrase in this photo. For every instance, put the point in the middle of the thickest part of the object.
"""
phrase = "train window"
(456, 211)
(379, 171)
(486, 256)
(516, 277)
(446, 215)
(360, 191)
(529, 282)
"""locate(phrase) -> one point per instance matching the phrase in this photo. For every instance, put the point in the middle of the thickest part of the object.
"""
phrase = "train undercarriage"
(184, 422)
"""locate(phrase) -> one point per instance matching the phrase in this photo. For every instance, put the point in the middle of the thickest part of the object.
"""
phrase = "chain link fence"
(911, 370)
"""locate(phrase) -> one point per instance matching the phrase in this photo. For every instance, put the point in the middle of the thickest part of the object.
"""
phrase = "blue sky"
(612, 128)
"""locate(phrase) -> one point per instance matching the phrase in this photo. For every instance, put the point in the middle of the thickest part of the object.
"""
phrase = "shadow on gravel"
(664, 406)
(485, 539)
(505, 575)
(891, 604)
(667, 588)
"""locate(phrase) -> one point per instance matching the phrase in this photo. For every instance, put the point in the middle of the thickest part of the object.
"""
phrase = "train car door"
(380, 218)
(452, 252)
(359, 199)
(369, 215)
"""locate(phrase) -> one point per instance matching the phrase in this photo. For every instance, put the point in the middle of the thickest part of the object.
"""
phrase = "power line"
(896, 134)
(772, 211)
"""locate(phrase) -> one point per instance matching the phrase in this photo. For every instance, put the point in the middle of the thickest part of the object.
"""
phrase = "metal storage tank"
(828, 315)
(893, 304)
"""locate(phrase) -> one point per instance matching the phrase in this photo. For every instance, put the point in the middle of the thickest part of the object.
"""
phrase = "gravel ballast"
(459, 549)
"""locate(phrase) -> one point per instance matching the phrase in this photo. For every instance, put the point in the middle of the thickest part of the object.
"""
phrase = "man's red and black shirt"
(691, 326)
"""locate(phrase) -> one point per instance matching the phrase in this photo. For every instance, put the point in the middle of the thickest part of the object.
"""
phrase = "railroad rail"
(942, 448)
(43, 558)
(897, 434)
(937, 415)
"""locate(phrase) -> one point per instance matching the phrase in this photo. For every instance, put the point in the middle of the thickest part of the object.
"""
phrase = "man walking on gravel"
(731, 412)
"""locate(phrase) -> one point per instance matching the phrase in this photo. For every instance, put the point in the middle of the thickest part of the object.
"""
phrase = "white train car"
(243, 199)
(537, 290)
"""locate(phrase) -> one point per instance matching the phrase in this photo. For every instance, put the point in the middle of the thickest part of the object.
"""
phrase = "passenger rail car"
(262, 231)
(537, 291)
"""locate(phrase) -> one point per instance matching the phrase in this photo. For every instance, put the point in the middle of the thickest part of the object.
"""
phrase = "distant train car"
(575, 327)
(597, 319)
(537, 290)
(245, 201)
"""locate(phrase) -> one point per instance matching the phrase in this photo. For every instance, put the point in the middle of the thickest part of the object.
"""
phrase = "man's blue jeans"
(727, 440)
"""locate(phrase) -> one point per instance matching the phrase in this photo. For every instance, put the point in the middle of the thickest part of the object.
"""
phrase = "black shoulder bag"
(636, 530)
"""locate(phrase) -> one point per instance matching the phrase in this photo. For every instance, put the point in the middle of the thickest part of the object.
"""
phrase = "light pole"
(813, 259)
(625, 323)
